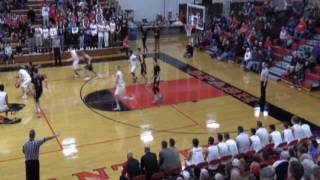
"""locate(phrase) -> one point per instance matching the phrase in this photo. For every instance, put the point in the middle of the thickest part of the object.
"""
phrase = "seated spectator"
(295, 170)
(232, 145)
(315, 173)
(267, 173)
(263, 134)
(243, 141)
(308, 165)
(281, 165)
(212, 152)
(314, 149)
(204, 174)
(235, 174)
(287, 133)
(254, 171)
(131, 168)
(196, 154)
(296, 128)
(222, 146)
(149, 163)
(255, 141)
(275, 136)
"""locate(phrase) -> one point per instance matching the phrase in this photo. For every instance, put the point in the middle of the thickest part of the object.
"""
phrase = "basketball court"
(202, 97)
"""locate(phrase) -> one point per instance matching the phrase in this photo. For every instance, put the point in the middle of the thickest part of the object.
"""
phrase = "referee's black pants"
(263, 95)
(57, 56)
(32, 170)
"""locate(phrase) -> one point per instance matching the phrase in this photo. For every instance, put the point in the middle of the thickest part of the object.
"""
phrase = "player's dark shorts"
(38, 94)
(89, 67)
(143, 69)
(156, 81)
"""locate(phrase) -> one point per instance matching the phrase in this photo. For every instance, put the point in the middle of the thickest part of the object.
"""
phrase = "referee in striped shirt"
(31, 152)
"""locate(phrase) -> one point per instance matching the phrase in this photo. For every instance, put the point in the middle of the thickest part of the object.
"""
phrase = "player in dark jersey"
(156, 81)
(37, 80)
(88, 67)
(143, 65)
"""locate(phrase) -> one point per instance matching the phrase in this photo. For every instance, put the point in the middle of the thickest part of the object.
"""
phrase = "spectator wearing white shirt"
(46, 38)
(38, 37)
(8, 53)
(106, 33)
(263, 134)
(287, 133)
(100, 34)
(45, 14)
(243, 141)
(232, 145)
(255, 141)
(223, 148)
(275, 136)
(112, 32)
(296, 128)
(247, 56)
(212, 152)
(306, 130)
(283, 37)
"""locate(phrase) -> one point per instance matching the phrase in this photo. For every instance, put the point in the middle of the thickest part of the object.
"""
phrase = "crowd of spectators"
(84, 24)
(266, 154)
(248, 34)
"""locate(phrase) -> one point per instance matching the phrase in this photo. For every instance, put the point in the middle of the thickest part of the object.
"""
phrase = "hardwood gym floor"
(95, 141)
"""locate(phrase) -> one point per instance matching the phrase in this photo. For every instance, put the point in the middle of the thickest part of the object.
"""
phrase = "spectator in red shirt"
(300, 28)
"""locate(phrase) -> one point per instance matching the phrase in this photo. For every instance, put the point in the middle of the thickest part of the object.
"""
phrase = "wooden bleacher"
(65, 55)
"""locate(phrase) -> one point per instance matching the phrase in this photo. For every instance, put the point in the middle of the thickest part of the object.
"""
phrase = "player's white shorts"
(4, 108)
(120, 90)
(25, 83)
(75, 66)
(133, 68)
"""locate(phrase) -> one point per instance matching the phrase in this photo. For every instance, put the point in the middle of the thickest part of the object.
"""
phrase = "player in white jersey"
(223, 147)
(196, 155)
(275, 136)
(212, 152)
(134, 63)
(296, 128)
(3, 100)
(232, 145)
(263, 134)
(24, 81)
(255, 141)
(120, 91)
(306, 130)
(75, 62)
(287, 133)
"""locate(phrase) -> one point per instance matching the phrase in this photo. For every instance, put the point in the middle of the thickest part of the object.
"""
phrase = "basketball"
(17, 85)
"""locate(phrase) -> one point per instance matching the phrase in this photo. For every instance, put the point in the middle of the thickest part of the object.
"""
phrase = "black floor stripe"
(243, 96)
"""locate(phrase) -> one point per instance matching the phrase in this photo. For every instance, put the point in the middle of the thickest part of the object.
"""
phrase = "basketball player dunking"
(134, 62)
(156, 81)
(143, 65)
